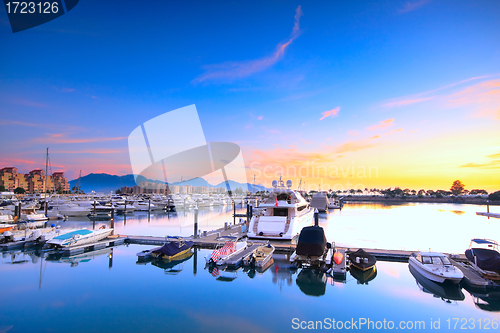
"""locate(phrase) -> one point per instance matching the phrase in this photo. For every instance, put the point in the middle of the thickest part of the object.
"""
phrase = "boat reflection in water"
(282, 271)
(171, 267)
(485, 299)
(363, 277)
(312, 282)
(74, 260)
(447, 290)
(252, 270)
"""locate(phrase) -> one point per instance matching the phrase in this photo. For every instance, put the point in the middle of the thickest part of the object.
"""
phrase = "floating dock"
(108, 242)
(495, 215)
(473, 279)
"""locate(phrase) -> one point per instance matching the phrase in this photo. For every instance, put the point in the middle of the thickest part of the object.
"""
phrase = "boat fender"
(337, 257)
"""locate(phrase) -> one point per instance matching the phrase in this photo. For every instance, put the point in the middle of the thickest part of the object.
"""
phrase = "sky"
(339, 95)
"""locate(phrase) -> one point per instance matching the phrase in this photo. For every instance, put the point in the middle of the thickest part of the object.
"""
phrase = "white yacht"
(78, 237)
(283, 215)
(435, 266)
(73, 210)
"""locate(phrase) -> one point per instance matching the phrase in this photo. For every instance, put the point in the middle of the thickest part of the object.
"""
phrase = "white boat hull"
(436, 275)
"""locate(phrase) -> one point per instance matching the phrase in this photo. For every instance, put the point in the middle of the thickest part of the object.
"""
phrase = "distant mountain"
(105, 183)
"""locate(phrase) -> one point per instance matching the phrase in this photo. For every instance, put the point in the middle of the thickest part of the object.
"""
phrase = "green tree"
(2, 188)
(457, 187)
(19, 190)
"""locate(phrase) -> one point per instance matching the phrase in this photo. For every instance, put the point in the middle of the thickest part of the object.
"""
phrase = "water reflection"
(74, 260)
(446, 291)
(312, 282)
(363, 277)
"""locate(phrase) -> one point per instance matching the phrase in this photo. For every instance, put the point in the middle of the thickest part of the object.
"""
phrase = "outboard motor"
(312, 242)
(9, 236)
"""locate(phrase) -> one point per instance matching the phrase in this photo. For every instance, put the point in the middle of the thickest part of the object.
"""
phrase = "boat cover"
(360, 253)
(81, 232)
(486, 259)
(312, 241)
(172, 248)
(484, 241)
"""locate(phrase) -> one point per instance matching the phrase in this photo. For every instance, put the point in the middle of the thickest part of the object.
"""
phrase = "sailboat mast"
(46, 170)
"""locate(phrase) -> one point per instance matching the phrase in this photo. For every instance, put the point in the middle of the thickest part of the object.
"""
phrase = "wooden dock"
(473, 279)
(495, 215)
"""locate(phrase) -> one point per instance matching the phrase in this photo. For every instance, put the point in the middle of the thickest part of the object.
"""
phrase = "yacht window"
(446, 261)
(419, 257)
(280, 212)
(301, 208)
(436, 260)
(426, 260)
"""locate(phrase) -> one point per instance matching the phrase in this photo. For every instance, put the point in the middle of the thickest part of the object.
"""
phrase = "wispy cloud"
(381, 125)
(233, 70)
(332, 113)
(26, 102)
(90, 151)
(410, 6)
(61, 138)
(353, 132)
(495, 164)
(406, 102)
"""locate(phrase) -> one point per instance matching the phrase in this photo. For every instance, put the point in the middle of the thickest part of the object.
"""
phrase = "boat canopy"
(484, 241)
(172, 248)
(81, 232)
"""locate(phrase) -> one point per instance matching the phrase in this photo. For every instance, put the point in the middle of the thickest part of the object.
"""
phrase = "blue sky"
(261, 74)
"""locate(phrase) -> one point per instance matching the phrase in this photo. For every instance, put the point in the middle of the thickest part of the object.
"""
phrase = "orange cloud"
(394, 131)
(235, 70)
(382, 124)
(332, 113)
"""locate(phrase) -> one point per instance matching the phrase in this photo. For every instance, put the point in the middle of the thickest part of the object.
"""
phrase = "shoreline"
(458, 200)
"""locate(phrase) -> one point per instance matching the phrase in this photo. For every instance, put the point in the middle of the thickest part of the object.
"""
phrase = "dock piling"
(316, 217)
(195, 233)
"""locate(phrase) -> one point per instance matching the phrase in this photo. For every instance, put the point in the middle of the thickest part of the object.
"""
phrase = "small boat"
(172, 249)
(436, 267)
(78, 237)
(5, 227)
(320, 202)
(362, 260)
(172, 267)
(484, 254)
(227, 248)
(312, 248)
(260, 256)
(363, 276)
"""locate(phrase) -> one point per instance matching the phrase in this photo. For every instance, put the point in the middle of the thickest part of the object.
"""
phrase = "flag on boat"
(229, 247)
(276, 199)
(215, 272)
(215, 255)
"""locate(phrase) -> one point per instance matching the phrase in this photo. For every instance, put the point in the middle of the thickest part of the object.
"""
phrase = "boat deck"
(238, 258)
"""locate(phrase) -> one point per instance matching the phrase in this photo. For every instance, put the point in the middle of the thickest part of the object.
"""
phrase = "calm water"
(109, 292)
